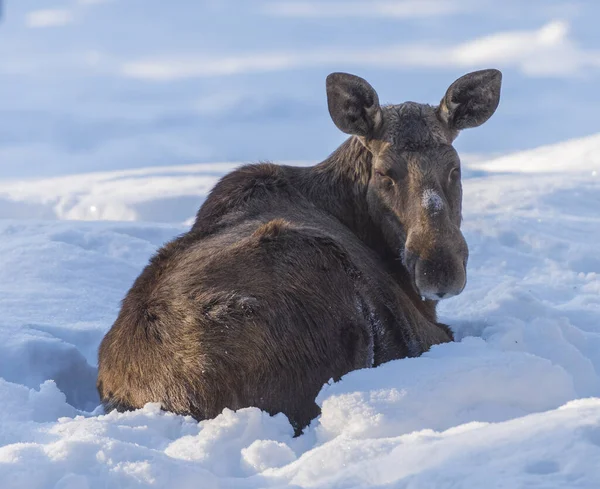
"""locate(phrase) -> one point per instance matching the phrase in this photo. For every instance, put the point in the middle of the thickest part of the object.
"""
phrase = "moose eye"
(386, 179)
(454, 175)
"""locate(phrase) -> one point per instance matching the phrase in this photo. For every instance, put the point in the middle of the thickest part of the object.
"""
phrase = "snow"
(514, 402)
(577, 155)
(96, 149)
(163, 194)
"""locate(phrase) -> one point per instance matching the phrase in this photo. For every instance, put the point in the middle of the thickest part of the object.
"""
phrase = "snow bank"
(172, 194)
(158, 194)
(577, 155)
(515, 402)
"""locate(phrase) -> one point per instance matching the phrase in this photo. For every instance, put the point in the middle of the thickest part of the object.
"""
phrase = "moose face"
(414, 193)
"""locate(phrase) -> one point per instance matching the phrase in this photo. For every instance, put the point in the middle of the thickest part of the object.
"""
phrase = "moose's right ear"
(353, 105)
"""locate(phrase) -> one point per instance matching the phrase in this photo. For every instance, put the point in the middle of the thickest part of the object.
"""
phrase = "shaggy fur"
(292, 276)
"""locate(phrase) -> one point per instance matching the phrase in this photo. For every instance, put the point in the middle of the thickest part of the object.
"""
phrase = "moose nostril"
(441, 295)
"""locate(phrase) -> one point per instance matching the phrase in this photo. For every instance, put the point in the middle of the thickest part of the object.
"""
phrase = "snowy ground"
(127, 87)
(509, 405)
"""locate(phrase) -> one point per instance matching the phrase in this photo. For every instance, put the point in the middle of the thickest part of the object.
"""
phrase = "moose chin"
(293, 276)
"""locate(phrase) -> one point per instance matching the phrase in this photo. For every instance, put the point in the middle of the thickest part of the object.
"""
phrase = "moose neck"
(338, 185)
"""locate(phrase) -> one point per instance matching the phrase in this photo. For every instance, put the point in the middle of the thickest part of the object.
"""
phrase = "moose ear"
(353, 104)
(471, 100)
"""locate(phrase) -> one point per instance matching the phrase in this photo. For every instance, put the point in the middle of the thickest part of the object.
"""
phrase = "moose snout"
(438, 273)
(440, 278)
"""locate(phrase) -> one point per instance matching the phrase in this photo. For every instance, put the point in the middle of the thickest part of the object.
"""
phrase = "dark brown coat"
(294, 276)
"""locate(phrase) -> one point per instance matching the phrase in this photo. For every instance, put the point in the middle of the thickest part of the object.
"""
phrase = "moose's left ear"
(471, 100)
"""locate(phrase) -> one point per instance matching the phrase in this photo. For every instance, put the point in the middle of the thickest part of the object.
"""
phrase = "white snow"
(163, 194)
(578, 155)
(515, 402)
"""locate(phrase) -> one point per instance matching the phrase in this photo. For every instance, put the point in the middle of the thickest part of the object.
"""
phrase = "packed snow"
(514, 402)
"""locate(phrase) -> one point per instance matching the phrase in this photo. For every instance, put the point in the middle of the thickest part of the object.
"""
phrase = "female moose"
(293, 276)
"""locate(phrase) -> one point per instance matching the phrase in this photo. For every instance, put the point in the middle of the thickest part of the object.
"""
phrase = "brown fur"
(292, 276)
